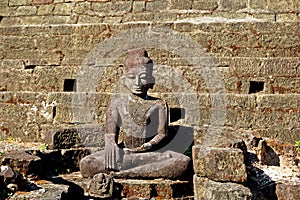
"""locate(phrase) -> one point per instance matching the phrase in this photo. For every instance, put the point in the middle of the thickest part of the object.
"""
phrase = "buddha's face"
(138, 80)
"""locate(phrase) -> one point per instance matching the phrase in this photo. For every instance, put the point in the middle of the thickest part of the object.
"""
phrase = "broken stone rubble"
(219, 164)
(263, 185)
(273, 170)
(205, 188)
(260, 157)
(23, 162)
(66, 138)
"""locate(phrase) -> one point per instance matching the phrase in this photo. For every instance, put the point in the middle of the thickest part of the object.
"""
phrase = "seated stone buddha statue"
(143, 122)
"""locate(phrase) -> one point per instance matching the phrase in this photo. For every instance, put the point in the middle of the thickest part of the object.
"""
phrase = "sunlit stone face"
(137, 80)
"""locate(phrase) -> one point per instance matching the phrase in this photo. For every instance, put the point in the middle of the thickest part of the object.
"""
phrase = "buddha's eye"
(130, 76)
(143, 76)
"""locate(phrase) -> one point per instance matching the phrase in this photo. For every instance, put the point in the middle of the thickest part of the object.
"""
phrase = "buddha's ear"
(152, 82)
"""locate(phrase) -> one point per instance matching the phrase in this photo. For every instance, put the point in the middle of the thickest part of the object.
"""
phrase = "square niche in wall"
(70, 85)
(256, 87)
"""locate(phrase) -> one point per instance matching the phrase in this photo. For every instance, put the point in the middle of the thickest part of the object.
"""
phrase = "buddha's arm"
(112, 151)
(162, 123)
(111, 126)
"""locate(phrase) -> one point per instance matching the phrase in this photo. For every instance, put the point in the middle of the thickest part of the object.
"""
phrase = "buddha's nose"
(137, 81)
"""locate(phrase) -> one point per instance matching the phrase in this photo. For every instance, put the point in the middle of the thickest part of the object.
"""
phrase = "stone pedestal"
(154, 189)
(45, 190)
(219, 173)
(219, 164)
(205, 189)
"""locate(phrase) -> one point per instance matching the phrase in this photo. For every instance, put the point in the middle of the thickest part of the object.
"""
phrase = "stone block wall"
(254, 45)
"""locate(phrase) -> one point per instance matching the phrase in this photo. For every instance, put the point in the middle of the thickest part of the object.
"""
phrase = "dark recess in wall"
(70, 85)
(256, 86)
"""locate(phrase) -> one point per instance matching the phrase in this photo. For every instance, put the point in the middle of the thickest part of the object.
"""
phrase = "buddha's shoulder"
(158, 101)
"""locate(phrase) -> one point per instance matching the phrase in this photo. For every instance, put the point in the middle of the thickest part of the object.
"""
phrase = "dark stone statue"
(136, 125)
(101, 186)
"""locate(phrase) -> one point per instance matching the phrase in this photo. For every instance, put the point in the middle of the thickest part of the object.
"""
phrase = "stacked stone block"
(205, 188)
(220, 170)
(220, 164)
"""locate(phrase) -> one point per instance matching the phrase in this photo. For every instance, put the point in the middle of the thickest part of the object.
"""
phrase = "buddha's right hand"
(127, 150)
(112, 156)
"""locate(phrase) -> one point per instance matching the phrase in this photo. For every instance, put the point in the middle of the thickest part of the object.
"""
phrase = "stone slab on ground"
(62, 139)
(207, 189)
(22, 162)
(288, 191)
(127, 189)
(60, 161)
(77, 179)
(85, 136)
(43, 162)
(156, 189)
(223, 137)
(45, 190)
(219, 164)
(274, 182)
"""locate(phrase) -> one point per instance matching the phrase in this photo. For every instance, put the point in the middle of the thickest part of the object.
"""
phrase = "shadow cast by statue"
(261, 185)
(74, 191)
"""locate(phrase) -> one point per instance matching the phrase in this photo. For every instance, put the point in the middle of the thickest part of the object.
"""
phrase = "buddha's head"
(138, 69)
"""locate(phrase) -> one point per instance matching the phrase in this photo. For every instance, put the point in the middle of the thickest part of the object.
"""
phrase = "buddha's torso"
(139, 120)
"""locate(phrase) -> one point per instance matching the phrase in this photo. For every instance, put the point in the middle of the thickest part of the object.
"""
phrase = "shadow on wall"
(260, 184)
(180, 138)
